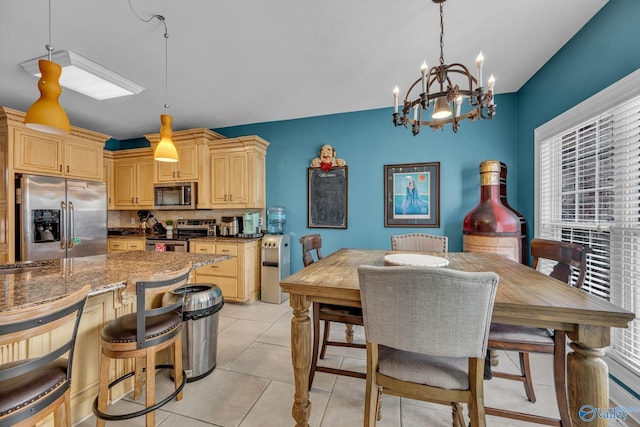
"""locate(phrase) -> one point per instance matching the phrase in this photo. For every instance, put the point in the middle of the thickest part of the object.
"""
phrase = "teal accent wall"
(606, 49)
(367, 141)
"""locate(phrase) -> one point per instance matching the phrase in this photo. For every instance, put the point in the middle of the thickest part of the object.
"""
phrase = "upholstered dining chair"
(426, 333)
(570, 267)
(349, 316)
(33, 387)
(140, 336)
(419, 242)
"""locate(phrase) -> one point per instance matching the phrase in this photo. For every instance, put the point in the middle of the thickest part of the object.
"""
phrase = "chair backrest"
(567, 255)
(419, 242)
(145, 288)
(434, 311)
(310, 243)
(32, 321)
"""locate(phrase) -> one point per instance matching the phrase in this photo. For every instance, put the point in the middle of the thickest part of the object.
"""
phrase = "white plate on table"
(418, 260)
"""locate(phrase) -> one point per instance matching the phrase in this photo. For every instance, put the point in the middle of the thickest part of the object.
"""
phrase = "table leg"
(301, 358)
(588, 384)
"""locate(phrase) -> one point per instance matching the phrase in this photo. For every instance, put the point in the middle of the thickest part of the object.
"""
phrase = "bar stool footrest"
(121, 417)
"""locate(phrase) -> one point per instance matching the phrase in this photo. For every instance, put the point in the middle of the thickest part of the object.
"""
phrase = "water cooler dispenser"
(276, 265)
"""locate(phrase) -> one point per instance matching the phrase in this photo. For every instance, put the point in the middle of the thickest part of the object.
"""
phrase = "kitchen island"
(29, 283)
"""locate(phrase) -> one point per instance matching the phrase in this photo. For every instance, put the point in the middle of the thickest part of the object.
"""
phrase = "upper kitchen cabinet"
(133, 179)
(107, 178)
(77, 155)
(192, 146)
(238, 172)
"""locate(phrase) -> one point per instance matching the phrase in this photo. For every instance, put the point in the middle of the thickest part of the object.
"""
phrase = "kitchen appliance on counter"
(181, 195)
(184, 229)
(276, 265)
(59, 218)
(231, 226)
(251, 223)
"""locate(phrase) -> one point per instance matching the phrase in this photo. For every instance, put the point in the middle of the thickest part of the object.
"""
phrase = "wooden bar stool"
(32, 388)
(140, 336)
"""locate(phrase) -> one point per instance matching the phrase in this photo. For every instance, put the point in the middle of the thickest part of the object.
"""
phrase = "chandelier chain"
(441, 34)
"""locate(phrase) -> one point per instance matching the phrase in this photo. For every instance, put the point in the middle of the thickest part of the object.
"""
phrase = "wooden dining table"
(524, 297)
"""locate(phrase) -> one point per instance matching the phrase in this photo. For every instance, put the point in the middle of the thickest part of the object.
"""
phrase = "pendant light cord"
(166, 50)
(49, 46)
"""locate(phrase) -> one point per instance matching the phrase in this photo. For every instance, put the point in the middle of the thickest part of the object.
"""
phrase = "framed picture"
(412, 195)
(327, 193)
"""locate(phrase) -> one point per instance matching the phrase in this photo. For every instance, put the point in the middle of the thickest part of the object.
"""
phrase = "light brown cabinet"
(238, 277)
(238, 172)
(185, 169)
(133, 179)
(68, 156)
(128, 244)
(107, 178)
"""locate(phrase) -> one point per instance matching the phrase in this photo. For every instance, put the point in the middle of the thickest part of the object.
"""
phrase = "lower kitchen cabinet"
(99, 310)
(128, 244)
(238, 277)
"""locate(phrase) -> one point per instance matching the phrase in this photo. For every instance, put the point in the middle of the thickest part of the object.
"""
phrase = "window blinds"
(589, 193)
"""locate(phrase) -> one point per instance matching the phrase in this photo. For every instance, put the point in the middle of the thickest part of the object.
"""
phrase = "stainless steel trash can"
(202, 302)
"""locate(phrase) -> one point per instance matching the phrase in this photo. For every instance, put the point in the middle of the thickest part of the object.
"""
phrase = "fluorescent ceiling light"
(85, 76)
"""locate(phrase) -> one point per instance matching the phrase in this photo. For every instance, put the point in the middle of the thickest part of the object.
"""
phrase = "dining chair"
(426, 333)
(139, 336)
(328, 313)
(570, 267)
(33, 386)
(419, 242)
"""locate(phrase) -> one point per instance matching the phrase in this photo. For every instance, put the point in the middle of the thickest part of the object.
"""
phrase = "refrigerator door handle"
(72, 223)
(63, 232)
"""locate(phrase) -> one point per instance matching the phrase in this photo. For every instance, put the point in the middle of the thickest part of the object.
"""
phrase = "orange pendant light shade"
(46, 114)
(166, 150)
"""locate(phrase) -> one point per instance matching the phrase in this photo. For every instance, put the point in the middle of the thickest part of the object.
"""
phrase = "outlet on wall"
(133, 221)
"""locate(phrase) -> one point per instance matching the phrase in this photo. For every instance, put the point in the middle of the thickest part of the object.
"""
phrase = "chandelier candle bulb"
(491, 84)
(423, 70)
(458, 104)
(396, 92)
(479, 62)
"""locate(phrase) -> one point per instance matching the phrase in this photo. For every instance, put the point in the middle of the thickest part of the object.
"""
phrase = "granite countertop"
(105, 273)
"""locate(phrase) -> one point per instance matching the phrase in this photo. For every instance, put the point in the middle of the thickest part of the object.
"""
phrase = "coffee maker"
(231, 225)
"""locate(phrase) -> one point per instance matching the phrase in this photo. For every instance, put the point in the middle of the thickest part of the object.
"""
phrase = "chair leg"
(137, 378)
(525, 369)
(372, 390)
(379, 416)
(348, 333)
(103, 388)
(325, 338)
(151, 385)
(316, 343)
(560, 376)
(67, 409)
(177, 364)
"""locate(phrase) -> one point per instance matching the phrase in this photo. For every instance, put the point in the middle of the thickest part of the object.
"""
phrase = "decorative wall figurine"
(327, 159)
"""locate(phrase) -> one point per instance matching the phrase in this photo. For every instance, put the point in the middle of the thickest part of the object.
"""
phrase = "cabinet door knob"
(133, 200)
(67, 168)
(225, 197)
(60, 168)
(231, 197)
(173, 174)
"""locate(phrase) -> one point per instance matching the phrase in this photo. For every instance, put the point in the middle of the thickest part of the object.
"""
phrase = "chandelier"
(445, 87)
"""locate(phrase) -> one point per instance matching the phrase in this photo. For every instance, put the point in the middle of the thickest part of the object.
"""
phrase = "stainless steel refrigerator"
(60, 218)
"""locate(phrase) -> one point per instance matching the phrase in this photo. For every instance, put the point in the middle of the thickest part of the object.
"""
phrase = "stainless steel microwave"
(181, 195)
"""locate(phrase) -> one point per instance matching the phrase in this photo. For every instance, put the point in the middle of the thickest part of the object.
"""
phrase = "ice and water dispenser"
(276, 265)
(45, 225)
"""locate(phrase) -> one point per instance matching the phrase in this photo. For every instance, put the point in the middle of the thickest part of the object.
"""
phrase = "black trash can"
(202, 302)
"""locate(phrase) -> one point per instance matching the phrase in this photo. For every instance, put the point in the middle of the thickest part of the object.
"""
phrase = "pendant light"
(165, 150)
(46, 114)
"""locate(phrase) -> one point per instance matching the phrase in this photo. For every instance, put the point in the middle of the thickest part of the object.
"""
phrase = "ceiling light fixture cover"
(46, 114)
(445, 86)
(87, 77)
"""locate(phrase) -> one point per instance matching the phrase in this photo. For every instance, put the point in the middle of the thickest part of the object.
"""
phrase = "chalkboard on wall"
(327, 197)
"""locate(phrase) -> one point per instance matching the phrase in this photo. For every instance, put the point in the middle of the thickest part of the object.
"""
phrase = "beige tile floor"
(252, 385)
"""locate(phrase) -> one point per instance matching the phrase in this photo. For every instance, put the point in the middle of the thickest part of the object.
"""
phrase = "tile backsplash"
(129, 219)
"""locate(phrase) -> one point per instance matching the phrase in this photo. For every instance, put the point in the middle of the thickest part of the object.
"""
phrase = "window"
(588, 191)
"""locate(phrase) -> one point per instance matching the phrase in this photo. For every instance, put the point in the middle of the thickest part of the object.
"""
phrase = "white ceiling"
(249, 61)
